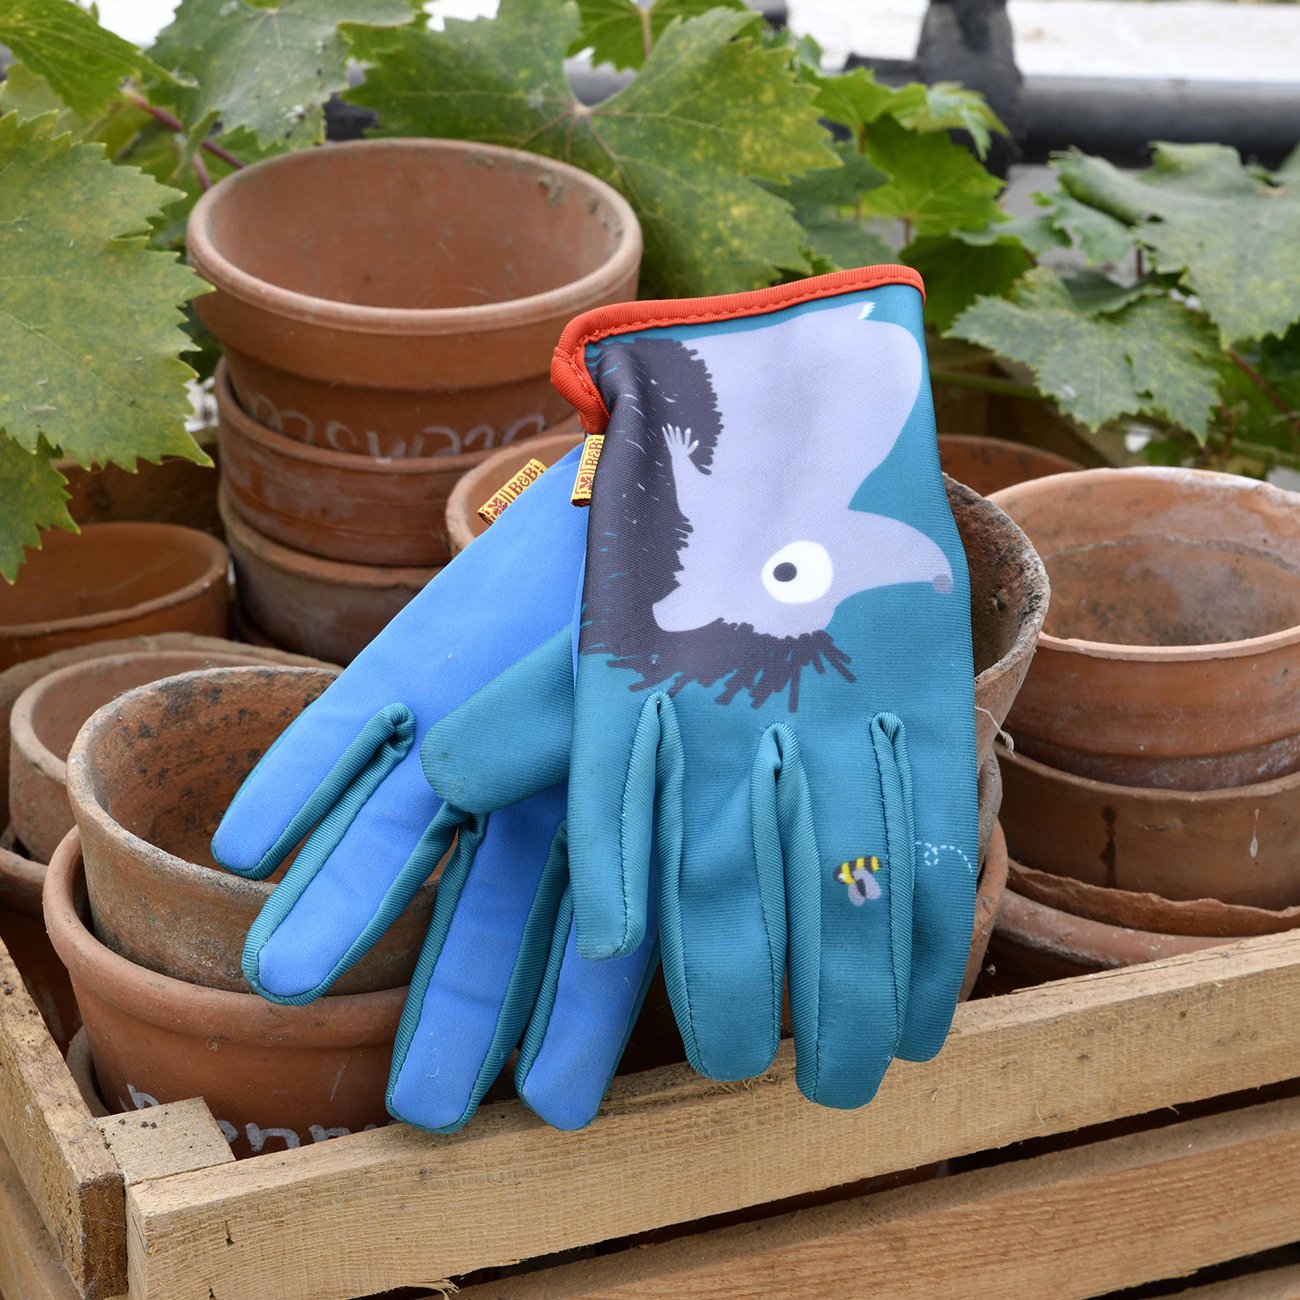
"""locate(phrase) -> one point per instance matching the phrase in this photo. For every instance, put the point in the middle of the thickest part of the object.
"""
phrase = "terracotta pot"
(1195, 916)
(14, 681)
(988, 901)
(82, 1068)
(149, 777)
(985, 465)
(320, 607)
(1172, 650)
(22, 930)
(175, 491)
(1008, 584)
(112, 580)
(273, 1076)
(1240, 845)
(1033, 943)
(360, 509)
(49, 713)
(403, 297)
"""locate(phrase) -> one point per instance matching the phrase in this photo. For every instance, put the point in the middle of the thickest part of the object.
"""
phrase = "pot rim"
(564, 301)
(215, 553)
(85, 801)
(281, 444)
(974, 440)
(243, 537)
(28, 741)
(1147, 654)
(1151, 794)
(1090, 939)
(343, 1020)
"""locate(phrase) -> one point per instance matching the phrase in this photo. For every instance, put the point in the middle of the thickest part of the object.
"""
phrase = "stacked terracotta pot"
(387, 310)
(1152, 802)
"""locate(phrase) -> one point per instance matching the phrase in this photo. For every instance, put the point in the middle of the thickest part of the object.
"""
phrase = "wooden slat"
(1070, 1225)
(30, 1267)
(161, 1140)
(670, 1147)
(56, 1147)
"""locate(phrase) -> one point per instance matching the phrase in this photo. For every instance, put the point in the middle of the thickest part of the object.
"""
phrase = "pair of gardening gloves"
(723, 719)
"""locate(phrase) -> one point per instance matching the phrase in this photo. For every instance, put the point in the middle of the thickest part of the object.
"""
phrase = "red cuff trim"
(569, 364)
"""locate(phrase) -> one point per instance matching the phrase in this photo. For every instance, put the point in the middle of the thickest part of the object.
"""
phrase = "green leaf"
(710, 115)
(89, 318)
(856, 99)
(935, 185)
(839, 243)
(1036, 233)
(1289, 172)
(1096, 294)
(1233, 236)
(33, 494)
(623, 33)
(1102, 237)
(1154, 356)
(946, 106)
(60, 42)
(955, 273)
(265, 67)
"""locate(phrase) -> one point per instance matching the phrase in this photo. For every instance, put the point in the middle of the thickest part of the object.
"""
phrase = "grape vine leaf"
(935, 185)
(1233, 236)
(1153, 356)
(956, 273)
(90, 336)
(711, 114)
(265, 67)
(35, 496)
(623, 33)
(83, 63)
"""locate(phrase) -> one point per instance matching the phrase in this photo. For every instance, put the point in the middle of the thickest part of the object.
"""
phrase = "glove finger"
(611, 825)
(350, 880)
(481, 965)
(850, 907)
(577, 1035)
(330, 758)
(462, 753)
(722, 925)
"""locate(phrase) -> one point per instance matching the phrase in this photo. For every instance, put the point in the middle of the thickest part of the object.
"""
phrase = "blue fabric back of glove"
(347, 776)
(774, 670)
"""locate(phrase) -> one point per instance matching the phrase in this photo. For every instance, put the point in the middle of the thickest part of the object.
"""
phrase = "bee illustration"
(859, 876)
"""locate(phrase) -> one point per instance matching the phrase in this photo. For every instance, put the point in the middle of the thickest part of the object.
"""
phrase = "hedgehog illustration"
(722, 511)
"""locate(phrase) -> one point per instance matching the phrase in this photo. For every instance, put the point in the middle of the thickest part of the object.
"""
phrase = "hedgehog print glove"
(499, 963)
(773, 679)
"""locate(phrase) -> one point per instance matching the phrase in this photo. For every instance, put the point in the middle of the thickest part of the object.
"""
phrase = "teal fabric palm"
(773, 689)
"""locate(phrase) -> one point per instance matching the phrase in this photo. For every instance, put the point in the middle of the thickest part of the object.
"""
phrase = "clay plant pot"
(1033, 943)
(359, 509)
(319, 607)
(988, 902)
(1008, 585)
(273, 1076)
(986, 465)
(1239, 845)
(14, 681)
(149, 777)
(113, 580)
(1172, 651)
(22, 930)
(78, 1060)
(1206, 917)
(403, 297)
(49, 713)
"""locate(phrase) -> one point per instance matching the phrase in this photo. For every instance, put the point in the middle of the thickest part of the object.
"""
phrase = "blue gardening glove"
(774, 677)
(499, 962)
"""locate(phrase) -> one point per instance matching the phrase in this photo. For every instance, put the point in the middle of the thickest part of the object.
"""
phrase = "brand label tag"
(586, 479)
(492, 508)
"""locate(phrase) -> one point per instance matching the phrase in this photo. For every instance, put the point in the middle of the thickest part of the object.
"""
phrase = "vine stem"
(1293, 417)
(986, 384)
(173, 123)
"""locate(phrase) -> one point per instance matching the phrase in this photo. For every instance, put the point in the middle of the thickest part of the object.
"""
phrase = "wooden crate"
(152, 1203)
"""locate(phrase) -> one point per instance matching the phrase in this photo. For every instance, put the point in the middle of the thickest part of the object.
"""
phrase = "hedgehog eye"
(797, 573)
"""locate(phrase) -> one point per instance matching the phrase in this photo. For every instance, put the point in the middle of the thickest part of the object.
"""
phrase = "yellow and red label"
(492, 508)
(586, 479)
